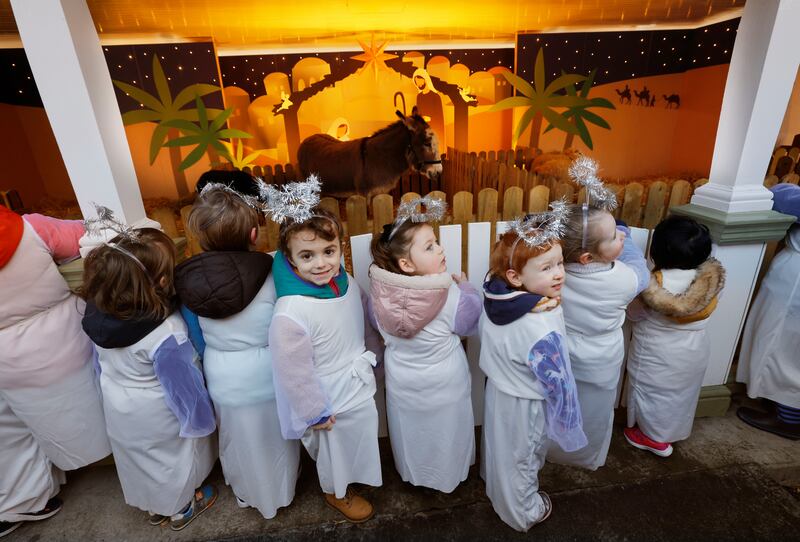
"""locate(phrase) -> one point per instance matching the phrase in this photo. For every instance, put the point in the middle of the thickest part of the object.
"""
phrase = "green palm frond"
(206, 134)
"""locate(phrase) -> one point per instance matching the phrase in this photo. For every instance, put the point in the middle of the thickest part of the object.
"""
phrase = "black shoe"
(769, 423)
(6, 527)
(52, 508)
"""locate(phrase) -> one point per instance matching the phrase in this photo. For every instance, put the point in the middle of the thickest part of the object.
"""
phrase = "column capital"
(738, 228)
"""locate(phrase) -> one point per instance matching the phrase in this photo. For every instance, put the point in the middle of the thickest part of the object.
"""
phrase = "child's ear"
(253, 236)
(513, 278)
(406, 266)
(162, 282)
(585, 258)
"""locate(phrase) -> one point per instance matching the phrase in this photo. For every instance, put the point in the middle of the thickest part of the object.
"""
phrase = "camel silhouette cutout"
(643, 96)
(673, 101)
(624, 94)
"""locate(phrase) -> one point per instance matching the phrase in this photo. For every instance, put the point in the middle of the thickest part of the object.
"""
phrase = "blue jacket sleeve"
(195, 332)
(184, 388)
(633, 258)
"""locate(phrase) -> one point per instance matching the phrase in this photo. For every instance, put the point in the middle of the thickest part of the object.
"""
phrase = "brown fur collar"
(702, 292)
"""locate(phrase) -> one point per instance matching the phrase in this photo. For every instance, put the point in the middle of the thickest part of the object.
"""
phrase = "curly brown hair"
(323, 223)
(116, 284)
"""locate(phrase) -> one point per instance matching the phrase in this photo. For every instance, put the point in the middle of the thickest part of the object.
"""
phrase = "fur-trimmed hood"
(405, 304)
(697, 302)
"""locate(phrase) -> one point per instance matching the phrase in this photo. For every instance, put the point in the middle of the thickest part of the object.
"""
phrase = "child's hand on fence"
(327, 426)
(460, 279)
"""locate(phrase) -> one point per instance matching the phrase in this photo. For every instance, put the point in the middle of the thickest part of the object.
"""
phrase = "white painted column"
(734, 204)
(70, 71)
(763, 66)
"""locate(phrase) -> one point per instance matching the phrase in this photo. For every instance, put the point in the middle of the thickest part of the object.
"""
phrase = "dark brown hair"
(119, 287)
(221, 220)
(323, 224)
(499, 259)
(386, 252)
(573, 233)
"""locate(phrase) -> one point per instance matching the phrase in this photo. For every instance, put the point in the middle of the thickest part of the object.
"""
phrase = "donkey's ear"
(400, 115)
(414, 111)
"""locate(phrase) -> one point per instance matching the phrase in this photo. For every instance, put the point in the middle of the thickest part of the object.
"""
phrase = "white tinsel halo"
(542, 228)
(252, 201)
(295, 201)
(584, 172)
(434, 212)
(105, 221)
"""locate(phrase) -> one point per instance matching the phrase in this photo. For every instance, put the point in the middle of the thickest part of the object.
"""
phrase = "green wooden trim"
(738, 228)
(73, 271)
(714, 401)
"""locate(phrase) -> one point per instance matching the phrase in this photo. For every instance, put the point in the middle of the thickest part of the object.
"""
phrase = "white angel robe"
(668, 357)
(258, 463)
(322, 367)
(768, 360)
(595, 297)
(428, 401)
(158, 469)
(514, 442)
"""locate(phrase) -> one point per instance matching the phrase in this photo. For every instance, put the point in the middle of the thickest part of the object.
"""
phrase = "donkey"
(371, 165)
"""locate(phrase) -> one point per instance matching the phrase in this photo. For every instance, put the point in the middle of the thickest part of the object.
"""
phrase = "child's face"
(315, 259)
(425, 255)
(542, 274)
(612, 240)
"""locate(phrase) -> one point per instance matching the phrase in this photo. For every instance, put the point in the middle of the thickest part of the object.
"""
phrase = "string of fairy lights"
(616, 56)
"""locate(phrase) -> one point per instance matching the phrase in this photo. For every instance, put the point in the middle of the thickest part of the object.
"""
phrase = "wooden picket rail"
(639, 206)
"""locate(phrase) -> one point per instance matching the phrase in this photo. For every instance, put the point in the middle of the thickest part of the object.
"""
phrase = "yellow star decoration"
(374, 56)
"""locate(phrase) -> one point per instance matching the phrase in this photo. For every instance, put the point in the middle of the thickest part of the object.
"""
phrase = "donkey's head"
(422, 152)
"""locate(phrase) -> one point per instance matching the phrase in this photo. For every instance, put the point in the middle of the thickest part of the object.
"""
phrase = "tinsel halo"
(542, 228)
(584, 172)
(295, 201)
(106, 221)
(252, 201)
(434, 212)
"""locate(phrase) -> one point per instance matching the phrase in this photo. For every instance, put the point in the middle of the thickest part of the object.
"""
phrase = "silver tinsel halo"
(542, 228)
(434, 212)
(252, 201)
(294, 200)
(106, 221)
(584, 172)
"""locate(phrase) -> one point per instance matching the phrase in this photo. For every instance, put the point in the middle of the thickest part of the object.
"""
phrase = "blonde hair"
(118, 286)
(573, 242)
(221, 220)
(501, 255)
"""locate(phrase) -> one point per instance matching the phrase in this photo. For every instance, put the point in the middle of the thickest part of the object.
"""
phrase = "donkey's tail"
(402, 99)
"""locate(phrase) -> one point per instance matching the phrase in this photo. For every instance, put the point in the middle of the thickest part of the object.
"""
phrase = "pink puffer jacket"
(405, 304)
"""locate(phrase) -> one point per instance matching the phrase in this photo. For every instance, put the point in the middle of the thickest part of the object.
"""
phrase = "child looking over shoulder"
(158, 414)
(231, 289)
(669, 350)
(421, 311)
(530, 391)
(324, 382)
(605, 272)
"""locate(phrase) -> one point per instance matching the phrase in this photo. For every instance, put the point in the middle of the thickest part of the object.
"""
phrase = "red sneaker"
(637, 439)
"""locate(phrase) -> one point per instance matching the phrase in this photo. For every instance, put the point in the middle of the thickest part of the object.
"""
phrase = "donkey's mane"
(394, 125)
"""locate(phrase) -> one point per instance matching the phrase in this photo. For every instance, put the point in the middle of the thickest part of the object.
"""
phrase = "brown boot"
(354, 507)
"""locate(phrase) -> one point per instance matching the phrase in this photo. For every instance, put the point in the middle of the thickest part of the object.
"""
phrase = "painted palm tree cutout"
(206, 134)
(163, 109)
(540, 99)
(235, 154)
(580, 115)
